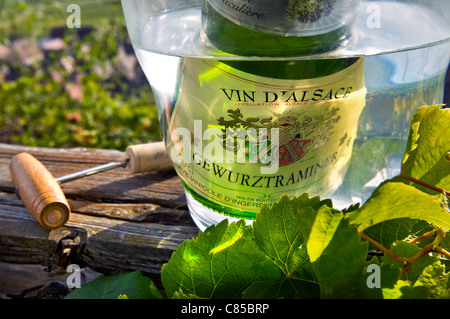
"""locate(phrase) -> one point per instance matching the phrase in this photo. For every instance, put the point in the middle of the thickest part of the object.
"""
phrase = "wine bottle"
(277, 117)
(278, 28)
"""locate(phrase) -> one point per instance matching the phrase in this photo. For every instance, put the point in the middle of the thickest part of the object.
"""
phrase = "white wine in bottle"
(273, 118)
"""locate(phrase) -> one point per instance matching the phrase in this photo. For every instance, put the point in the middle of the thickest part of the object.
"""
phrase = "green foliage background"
(36, 109)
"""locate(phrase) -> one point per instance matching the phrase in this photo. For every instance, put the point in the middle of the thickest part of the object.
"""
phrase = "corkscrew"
(43, 196)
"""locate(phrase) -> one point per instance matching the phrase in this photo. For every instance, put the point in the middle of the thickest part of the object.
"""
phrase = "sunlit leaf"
(428, 145)
(133, 285)
(338, 252)
(216, 264)
(393, 200)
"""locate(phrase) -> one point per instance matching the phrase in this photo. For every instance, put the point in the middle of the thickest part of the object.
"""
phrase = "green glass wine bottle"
(278, 28)
(296, 109)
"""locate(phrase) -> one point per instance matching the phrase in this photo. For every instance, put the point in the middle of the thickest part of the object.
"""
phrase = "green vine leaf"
(407, 250)
(216, 264)
(284, 287)
(368, 159)
(388, 232)
(403, 290)
(435, 278)
(424, 160)
(277, 232)
(337, 253)
(427, 148)
(130, 285)
(392, 200)
(319, 227)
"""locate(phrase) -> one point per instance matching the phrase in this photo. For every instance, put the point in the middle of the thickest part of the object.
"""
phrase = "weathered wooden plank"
(119, 222)
(123, 219)
(104, 244)
(22, 239)
(163, 188)
(138, 212)
(159, 188)
(117, 245)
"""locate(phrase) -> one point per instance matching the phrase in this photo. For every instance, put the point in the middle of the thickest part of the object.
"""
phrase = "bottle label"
(291, 17)
(239, 139)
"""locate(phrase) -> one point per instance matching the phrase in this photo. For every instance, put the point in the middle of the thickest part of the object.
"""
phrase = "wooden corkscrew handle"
(39, 191)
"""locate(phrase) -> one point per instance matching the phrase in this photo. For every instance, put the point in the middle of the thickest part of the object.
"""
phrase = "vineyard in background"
(62, 87)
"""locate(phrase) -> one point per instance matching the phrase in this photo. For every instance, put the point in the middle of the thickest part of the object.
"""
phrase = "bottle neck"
(292, 69)
(232, 26)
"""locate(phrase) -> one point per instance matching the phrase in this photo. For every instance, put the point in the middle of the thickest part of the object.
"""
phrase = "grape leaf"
(234, 261)
(277, 230)
(289, 288)
(181, 295)
(403, 290)
(216, 264)
(428, 144)
(392, 200)
(426, 278)
(337, 254)
(407, 250)
(388, 232)
(278, 234)
(424, 160)
(319, 227)
(389, 274)
(435, 278)
(133, 285)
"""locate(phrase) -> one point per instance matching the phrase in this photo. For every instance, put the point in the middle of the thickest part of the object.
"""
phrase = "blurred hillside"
(63, 87)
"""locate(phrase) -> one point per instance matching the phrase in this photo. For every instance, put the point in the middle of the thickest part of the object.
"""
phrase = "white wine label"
(239, 139)
(291, 17)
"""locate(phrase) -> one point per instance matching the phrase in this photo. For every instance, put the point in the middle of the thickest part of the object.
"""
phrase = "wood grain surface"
(119, 222)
